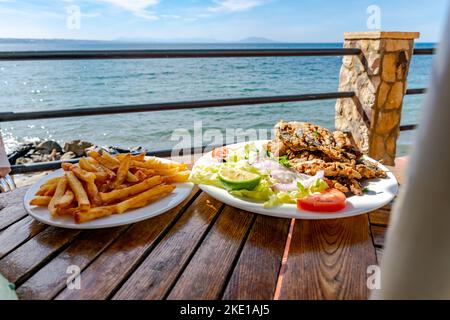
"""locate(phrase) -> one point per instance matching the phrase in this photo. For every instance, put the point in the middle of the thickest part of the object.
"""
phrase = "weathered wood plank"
(381, 216)
(109, 270)
(26, 259)
(154, 277)
(18, 233)
(329, 259)
(256, 273)
(11, 207)
(378, 234)
(201, 281)
(52, 278)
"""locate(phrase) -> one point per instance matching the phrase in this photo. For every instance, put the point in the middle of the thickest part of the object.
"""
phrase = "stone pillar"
(378, 77)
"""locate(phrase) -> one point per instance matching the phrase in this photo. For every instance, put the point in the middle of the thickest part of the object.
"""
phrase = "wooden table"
(201, 249)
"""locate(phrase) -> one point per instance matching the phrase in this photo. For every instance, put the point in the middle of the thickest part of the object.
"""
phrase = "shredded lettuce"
(206, 175)
(318, 186)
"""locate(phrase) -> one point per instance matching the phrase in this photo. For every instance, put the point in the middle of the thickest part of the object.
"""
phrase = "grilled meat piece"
(345, 185)
(311, 148)
(301, 136)
(331, 169)
(307, 155)
(368, 170)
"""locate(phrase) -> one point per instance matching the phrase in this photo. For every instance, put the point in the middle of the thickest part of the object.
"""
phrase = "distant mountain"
(256, 40)
(172, 40)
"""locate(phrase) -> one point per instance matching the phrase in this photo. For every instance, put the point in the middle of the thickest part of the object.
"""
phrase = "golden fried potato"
(137, 201)
(122, 171)
(40, 201)
(78, 190)
(59, 193)
(66, 200)
(178, 177)
(120, 194)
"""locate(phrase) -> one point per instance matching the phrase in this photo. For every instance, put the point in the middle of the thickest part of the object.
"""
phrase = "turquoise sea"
(42, 85)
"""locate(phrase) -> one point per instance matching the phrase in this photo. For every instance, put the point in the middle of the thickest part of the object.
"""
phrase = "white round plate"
(42, 214)
(381, 192)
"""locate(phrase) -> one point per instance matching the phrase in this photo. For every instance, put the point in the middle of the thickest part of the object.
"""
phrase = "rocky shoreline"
(50, 150)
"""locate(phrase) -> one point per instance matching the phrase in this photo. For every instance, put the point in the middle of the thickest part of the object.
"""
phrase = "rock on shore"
(49, 150)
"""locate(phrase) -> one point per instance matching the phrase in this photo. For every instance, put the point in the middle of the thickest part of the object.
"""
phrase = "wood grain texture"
(52, 278)
(378, 234)
(159, 270)
(256, 273)
(205, 276)
(11, 207)
(329, 259)
(102, 277)
(17, 233)
(23, 261)
(381, 216)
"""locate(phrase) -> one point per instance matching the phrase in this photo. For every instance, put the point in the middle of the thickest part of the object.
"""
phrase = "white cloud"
(137, 7)
(235, 5)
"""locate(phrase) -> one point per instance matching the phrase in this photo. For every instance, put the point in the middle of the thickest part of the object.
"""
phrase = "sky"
(221, 20)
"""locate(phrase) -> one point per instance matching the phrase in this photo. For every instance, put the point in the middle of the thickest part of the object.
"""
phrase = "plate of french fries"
(104, 190)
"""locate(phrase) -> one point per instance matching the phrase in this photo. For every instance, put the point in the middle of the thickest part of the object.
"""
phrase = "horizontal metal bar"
(34, 115)
(407, 127)
(424, 51)
(416, 91)
(54, 165)
(152, 54)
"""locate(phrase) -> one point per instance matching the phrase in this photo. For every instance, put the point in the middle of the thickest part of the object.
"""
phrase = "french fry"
(140, 175)
(100, 175)
(40, 201)
(93, 193)
(166, 172)
(143, 198)
(139, 157)
(137, 201)
(52, 181)
(67, 211)
(46, 188)
(120, 194)
(158, 165)
(122, 171)
(109, 158)
(131, 177)
(78, 190)
(179, 177)
(66, 200)
(93, 213)
(83, 174)
(106, 162)
(59, 193)
(86, 165)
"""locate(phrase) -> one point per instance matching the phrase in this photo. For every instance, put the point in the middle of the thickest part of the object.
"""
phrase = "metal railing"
(159, 54)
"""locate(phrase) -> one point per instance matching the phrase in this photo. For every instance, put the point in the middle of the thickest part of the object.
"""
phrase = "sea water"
(52, 85)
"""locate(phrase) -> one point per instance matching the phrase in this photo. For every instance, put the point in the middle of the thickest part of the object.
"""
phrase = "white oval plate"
(181, 192)
(381, 192)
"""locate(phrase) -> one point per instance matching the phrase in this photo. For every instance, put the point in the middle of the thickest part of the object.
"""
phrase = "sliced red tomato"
(220, 153)
(331, 200)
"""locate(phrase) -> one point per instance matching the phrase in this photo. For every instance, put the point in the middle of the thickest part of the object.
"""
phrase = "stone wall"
(378, 76)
